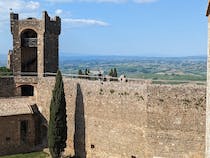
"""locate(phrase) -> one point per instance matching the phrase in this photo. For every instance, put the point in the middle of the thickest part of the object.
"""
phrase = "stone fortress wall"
(109, 119)
(122, 120)
(113, 119)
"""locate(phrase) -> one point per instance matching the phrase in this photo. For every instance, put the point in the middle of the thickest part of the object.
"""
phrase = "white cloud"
(58, 12)
(32, 9)
(24, 7)
(32, 5)
(102, 1)
(97, 1)
(59, 1)
(18, 5)
(6, 5)
(84, 22)
(145, 1)
(21, 6)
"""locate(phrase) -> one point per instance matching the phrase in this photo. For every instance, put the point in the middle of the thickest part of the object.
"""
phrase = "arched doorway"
(29, 52)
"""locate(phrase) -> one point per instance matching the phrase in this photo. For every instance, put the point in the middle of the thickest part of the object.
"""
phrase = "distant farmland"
(186, 68)
(155, 68)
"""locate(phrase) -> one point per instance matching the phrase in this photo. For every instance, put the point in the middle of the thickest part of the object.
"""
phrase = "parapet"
(46, 24)
(14, 16)
(13, 19)
(52, 25)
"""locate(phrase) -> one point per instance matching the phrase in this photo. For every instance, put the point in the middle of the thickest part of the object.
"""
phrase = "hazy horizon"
(118, 55)
(118, 27)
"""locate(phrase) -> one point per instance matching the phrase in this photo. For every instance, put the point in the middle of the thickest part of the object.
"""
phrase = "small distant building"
(122, 78)
(107, 78)
(99, 73)
(96, 73)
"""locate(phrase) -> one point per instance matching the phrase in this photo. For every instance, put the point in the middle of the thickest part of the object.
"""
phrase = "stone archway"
(29, 52)
(25, 90)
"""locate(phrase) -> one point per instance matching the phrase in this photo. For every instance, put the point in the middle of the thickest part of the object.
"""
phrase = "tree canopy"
(57, 132)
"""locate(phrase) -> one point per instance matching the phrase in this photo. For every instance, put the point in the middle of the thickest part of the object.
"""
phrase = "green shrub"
(5, 72)
(112, 91)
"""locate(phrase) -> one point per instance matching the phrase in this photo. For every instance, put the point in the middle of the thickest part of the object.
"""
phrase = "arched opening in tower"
(29, 52)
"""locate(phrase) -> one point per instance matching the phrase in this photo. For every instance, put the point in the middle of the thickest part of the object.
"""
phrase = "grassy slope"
(28, 155)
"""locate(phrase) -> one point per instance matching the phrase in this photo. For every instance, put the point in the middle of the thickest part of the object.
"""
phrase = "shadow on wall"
(7, 85)
(41, 126)
(79, 135)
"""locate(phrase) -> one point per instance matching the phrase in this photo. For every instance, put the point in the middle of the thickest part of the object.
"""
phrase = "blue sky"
(118, 27)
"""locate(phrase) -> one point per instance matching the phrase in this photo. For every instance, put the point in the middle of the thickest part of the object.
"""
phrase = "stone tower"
(208, 89)
(35, 45)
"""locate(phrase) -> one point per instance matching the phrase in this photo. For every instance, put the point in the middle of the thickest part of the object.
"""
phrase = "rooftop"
(16, 106)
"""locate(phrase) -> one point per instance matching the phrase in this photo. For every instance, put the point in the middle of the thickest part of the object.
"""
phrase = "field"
(28, 155)
(181, 69)
(154, 68)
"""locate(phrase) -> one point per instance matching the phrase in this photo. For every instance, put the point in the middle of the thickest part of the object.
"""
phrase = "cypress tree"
(115, 72)
(111, 73)
(80, 73)
(86, 73)
(57, 131)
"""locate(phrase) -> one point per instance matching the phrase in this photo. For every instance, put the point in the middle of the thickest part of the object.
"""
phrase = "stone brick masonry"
(121, 120)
